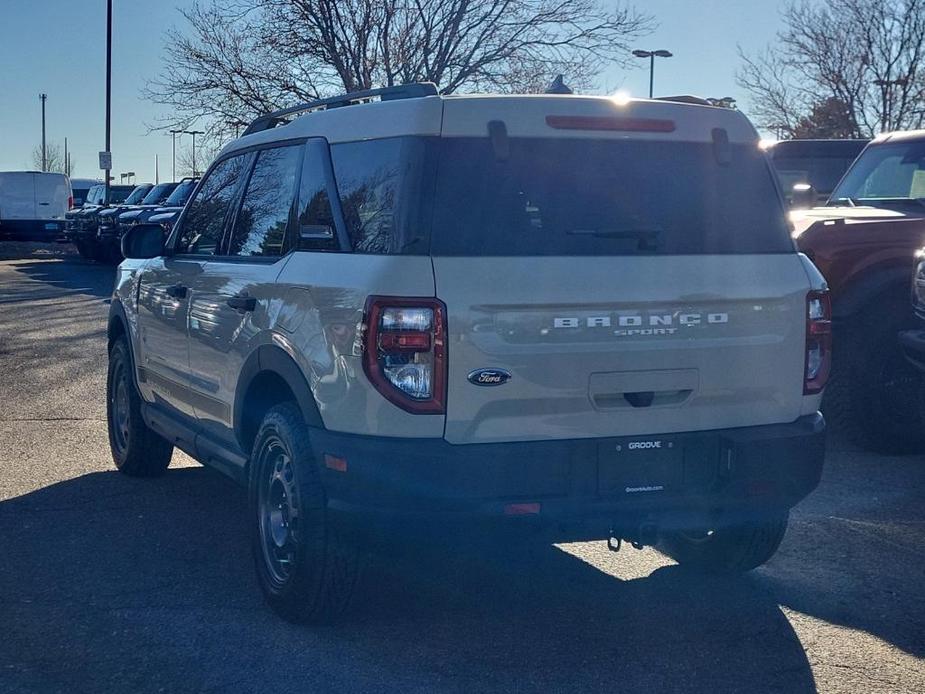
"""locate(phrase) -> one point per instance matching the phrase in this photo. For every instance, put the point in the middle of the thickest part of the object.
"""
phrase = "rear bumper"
(31, 229)
(724, 475)
(913, 346)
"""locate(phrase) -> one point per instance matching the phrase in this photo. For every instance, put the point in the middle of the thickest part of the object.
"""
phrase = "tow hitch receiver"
(646, 535)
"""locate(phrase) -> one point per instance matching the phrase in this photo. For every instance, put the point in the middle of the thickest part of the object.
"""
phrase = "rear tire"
(874, 396)
(136, 450)
(306, 567)
(729, 549)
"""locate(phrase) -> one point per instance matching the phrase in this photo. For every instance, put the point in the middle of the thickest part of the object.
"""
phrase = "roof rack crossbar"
(402, 91)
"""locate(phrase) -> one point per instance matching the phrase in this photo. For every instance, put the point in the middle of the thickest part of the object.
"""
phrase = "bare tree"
(206, 151)
(864, 54)
(54, 159)
(242, 58)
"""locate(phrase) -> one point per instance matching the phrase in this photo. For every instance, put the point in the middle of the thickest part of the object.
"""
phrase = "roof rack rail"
(402, 91)
(685, 99)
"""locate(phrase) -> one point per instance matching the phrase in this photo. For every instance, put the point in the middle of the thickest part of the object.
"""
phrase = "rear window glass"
(380, 186)
(604, 197)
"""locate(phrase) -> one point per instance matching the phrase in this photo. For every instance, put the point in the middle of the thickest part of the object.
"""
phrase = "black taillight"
(404, 351)
(818, 341)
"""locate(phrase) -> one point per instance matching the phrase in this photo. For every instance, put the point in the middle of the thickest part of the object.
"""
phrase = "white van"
(33, 204)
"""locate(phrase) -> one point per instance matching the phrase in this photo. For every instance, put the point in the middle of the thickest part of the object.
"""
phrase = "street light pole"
(173, 138)
(194, 133)
(108, 85)
(42, 98)
(652, 55)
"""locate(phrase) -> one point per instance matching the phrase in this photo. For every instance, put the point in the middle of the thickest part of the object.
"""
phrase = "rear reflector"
(651, 125)
(332, 462)
(528, 509)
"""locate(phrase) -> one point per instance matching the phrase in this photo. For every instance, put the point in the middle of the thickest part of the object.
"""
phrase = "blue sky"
(58, 47)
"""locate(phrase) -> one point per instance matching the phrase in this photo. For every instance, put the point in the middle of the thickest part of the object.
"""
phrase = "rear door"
(621, 287)
(17, 196)
(165, 289)
(233, 302)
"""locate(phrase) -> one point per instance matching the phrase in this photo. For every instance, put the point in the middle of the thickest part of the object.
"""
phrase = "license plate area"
(656, 465)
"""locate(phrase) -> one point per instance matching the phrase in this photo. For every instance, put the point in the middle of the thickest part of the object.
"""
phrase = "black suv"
(80, 225)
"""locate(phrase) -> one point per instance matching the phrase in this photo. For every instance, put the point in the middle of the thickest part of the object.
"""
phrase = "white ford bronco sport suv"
(400, 307)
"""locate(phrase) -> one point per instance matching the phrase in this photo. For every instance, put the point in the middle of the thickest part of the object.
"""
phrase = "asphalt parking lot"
(116, 584)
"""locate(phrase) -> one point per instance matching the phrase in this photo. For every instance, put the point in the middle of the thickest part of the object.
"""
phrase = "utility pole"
(156, 179)
(108, 85)
(173, 137)
(67, 168)
(194, 133)
(42, 98)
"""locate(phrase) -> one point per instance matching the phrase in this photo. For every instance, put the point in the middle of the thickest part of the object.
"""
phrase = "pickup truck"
(864, 241)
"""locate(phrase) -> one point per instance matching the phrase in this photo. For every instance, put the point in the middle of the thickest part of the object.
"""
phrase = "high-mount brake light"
(650, 125)
(818, 341)
(404, 351)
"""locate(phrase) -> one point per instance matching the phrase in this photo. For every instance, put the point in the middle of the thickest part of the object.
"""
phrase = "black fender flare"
(116, 315)
(861, 292)
(273, 359)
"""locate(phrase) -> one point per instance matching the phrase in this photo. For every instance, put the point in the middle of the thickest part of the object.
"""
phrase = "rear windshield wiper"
(647, 239)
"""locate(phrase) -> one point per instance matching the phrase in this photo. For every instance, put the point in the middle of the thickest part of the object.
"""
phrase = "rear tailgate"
(622, 346)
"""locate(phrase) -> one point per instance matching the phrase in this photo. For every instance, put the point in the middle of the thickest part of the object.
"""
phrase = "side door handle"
(177, 291)
(242, 303)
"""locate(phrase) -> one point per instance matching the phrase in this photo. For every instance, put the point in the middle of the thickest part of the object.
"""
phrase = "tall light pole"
(173, 137)
(42, 98)
(108, 86)
(652, 55)
(194, 133)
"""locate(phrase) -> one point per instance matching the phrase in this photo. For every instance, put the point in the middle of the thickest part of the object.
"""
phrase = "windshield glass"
(137, 195)
(117, 195)
(158, 194)
(95, 195)
(181, 193)
(891, 172)
(604, 197)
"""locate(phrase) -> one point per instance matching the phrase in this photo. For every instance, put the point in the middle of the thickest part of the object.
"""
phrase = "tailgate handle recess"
(641, 389)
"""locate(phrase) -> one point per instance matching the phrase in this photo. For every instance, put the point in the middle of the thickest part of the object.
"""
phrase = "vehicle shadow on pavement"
(146, 584)
(62, 275)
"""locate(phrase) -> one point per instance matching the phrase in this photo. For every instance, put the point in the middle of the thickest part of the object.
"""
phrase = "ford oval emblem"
(489, 377)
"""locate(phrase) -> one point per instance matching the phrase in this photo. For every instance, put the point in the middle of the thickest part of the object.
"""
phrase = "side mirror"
(143, 241)
(802, 195)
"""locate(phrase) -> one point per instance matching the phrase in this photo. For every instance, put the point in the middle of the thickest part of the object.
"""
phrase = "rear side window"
(261, 223)
(604, 197)
(204, 221)
(380, 186)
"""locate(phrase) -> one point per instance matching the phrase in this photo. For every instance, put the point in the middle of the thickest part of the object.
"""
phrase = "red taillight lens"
(818, 342)
(404, 352)
(70, 202)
